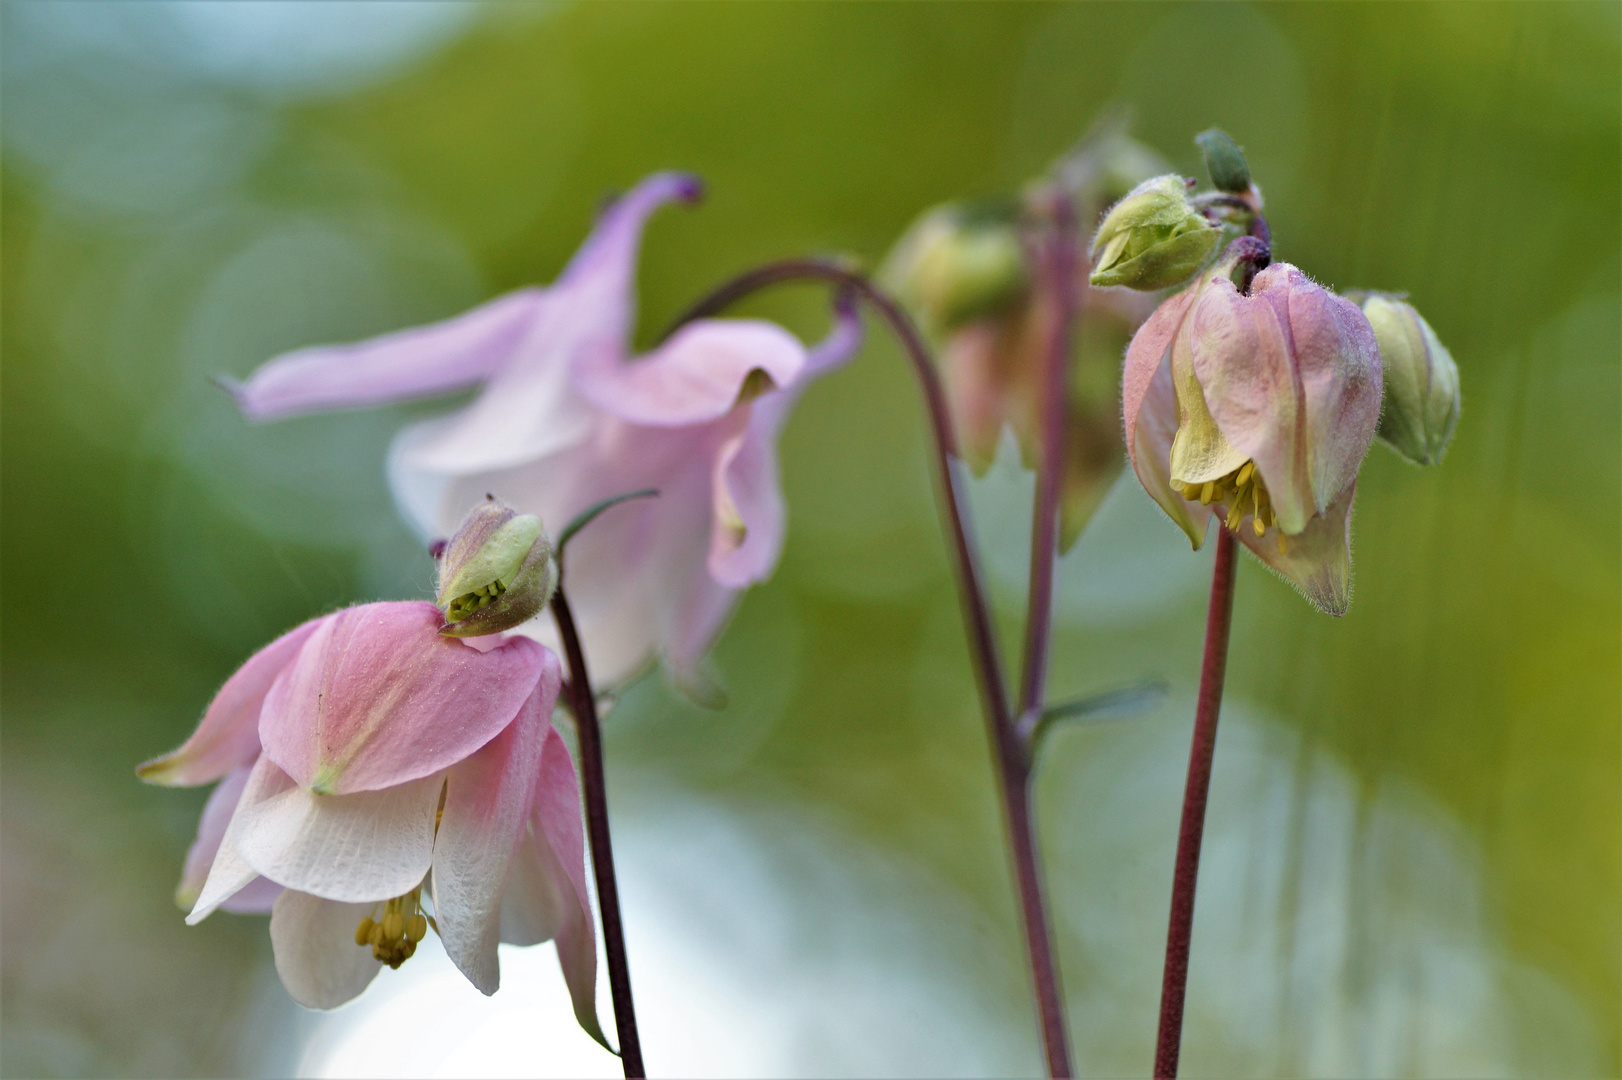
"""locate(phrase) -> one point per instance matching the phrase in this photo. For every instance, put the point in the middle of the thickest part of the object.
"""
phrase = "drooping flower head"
(968, 271)
(566, 417)
(372, 769)
(1258, 406)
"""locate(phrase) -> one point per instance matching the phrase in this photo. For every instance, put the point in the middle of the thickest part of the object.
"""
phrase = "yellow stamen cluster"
(393, 936)
(468, 603)
(1234, 492)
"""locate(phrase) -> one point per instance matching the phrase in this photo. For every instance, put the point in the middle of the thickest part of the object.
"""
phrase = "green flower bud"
(959, 263)
(1152, 239)
(1224, 161)
(1421, 381)
(496, 572)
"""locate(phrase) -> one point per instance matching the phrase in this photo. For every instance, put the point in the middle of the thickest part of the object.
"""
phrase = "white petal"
(370, 845)
(487, 799)
(230, 873)
(537, 899)
(316, 954)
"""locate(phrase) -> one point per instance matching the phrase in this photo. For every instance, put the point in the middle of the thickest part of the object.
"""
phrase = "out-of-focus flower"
(567, 418)
(496, 572)
(991, 325)
(1259, 406)
(372, 768)
(1421, 380)
(1152, 239)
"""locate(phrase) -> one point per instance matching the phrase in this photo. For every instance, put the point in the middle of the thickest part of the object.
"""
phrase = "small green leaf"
(1124, 704)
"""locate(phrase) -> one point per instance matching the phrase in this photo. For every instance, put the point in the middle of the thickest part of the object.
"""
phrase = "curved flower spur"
(379, 777)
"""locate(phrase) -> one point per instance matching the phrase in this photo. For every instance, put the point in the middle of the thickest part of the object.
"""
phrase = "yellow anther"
(394, 926)
(416, 928)
(1283, 548)
(1191, 491)
(375, 937)
(1244, 472)
(1256, 523)
(363, 932)
(1206, 492)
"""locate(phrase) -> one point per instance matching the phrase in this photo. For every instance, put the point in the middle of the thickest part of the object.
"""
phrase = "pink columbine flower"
(1259, 407)
(372, 769)
(566, 418)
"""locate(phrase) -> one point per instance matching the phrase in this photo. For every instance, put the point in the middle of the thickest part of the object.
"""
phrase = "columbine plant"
(391, 760)
(1252, 395)
(1249, 395)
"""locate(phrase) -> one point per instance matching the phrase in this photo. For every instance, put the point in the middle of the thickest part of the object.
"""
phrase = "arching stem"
(595, 789)
(1009, 749)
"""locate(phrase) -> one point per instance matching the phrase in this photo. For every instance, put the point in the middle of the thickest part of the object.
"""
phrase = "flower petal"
(372, 845)
(1338, 364)
(1318, 559)
(316, 955)
(1149, 408)
(696, 376)
(1227, 353)
(377, 697)
(228, 737)
(747, 534)
(222, 803)
(411, 363)
(229, 874)
(487, 803)
(560, 842)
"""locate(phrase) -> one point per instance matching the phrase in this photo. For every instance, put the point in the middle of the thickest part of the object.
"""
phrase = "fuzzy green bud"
(959, 263)
(1152, 239)
(1421, 381)
(496, 572)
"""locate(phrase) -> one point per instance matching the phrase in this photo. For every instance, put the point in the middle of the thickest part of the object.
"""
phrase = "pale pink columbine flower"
(1259, 407)
(372, 771)
(566, 418)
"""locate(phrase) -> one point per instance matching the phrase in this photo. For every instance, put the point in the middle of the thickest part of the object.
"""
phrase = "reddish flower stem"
(1059, 263)
(1012, 758)
(595, 790)
(1174, 983)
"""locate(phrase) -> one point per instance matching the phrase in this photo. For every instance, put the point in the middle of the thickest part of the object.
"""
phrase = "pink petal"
(1338, 361)
(694, 377)
(747, 534)
(560, 842)
(372, 845)
(228, 737)
(424, 360)
(316, 955)
(487, 802)
(1149, 405)
(228, 873)
(377, 697)
(1319, 558)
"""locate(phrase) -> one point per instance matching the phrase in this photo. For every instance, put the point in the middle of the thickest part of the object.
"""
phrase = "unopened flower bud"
(496, 572)
(1152, 239)
(1421, 381)
(959, 263)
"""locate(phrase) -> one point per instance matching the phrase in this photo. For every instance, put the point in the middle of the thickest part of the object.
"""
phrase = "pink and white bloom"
(370, 769)
(566, 417)
(1258, 407)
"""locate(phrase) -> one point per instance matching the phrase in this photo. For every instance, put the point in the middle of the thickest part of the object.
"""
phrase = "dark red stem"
(595, 789)
(1059, 279)
(1013, 765)
(1174, 985)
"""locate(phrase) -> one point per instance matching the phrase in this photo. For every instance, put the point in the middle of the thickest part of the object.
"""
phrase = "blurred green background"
(1415, 857)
